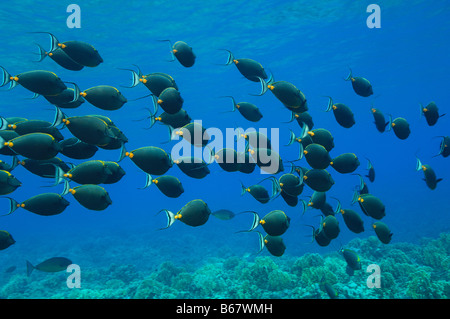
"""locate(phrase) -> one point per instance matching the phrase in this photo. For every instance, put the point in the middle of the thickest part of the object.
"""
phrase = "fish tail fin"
(30, 268)
(42, 53)
(264, 87)
(418, 164)
(59, 117)
(389, 123)
(330, 104)
(123, 152)
(170, 218)
(304, 206)
(255, 223)
(13, 205)
(230, 57)
(276, 188)
(292, 138)
(154, 103)
(148, 181)
(59, 175)
(66, 188)
(338, 206)
(421, 109)
(292, 118)
(261, 242)
(6, 78)
(350, 75)
(134, 80)
(243, 189)
(234, 103)
(171, 49)
(355, 196)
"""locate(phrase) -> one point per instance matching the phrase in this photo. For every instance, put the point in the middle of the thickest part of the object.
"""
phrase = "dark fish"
(192, 167)
(169, 100)
(179, 119)
(53, 264)
(331, 292)
(249, 68)
(291, 97)
(81, 52)
(182, 52)
(260, 193)
(429, 174)
(371, 171)
(46, 204)
(400, 127)
(194, 133)
(352, 259)
(382, 231)
(10, 269)
(345, 163)
(304, 140)
(352, 220)
(117, 140)
(195, 213)
(104, 97)
(319, 236)
(44, 168)
(6, 239)
(318, 180)
(256, 139)
(117, 172)
(268, 160)
(302, 119)
(65, 99)
(323, 137)
(274, 245)
(223, 214)
(155, 82)
(61, 58)
(247, 165)
(290, 184)
(327, 209)
(228, 159)
(151, 159)
(248, 110)
(380, 121)
(444, 148)
(342, 113)
(290, 200)
(360, 85)
(36, 126)
(76, 149)
(89, 172)
(89, 129)
(372, 206)
(39, 82)
(92, 197)
(317, 200)
(37, 146)
(168, 185)
(6, 136)
(431, 113)
(330, 226)
(317, 156)
(274, 223)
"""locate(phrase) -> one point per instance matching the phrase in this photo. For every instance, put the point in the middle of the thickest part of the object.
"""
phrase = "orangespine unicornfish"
(90, 196)
(318, 180)
(168, 185)
(181, 51)
(352, 259)
(372, 206)
(371, 171)
(81, 52)
(179, 119)
(352, 220)
(169, 100)
(431, 113)
(444, 148)
(317, 200)
(328, 288)
(318, 235)
(304, 140)
(274, 244)
(104, 97)
(361, 188)
(290, 184)
(38, 146)
(192, 166)
(291, 97)
(227, 158)
(193, 132)
(317, 156)
(117, 172)
(6, 136)
(330, 226)
(254, 138)
(155, 82)
(274, 223)
(248, 110)
(45, 204)
(400, 126)
(6, 239)
(40, 82)
(8, 183)
(53, 264)
(260, 193)
(194, 213)
(66, 99)
(360, 85)
(382, 231)
(268, 160)
(342, 113)
(89, 172)
(345, 163)
(379, 120)
(76, 149)
(249, 68)
(44, 168)
(302, 119)
(60, 57)
(150, 159)
(429, 174)
(323, 137)
(36, 126)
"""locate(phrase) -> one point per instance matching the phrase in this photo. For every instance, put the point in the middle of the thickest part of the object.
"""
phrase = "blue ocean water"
(310, 44)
